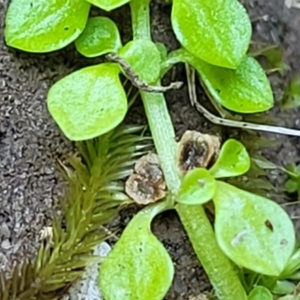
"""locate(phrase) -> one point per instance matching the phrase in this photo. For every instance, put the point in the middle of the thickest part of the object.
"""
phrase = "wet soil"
(30, 141)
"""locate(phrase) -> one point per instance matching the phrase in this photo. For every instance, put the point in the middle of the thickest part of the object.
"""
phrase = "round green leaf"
(144, 58)
(101, 36)
(44, 25)
(89, 102)
(260, 293)
(253, 231)
(108, 5)
(197, 187)
(138, 267)
(246, 89)
(215, 31)
(233, 160)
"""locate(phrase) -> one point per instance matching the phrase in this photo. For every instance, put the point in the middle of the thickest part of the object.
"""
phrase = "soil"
(30, 141)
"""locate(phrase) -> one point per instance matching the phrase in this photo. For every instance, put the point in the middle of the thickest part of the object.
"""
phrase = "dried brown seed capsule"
(197, 150)
(147, 184)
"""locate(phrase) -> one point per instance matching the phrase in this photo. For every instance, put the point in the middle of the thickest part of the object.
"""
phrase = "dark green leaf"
(138, 267)
(100, 36)
(233, 160)
(108, 5)
(274, 58)
(291, 186)
(44, 25)
(197, 187)
(215, 31)
(291, 97)
(144, 58)
(254, 232)
(89, 102)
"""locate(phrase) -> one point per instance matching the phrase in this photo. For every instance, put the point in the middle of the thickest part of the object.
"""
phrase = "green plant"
(250, 231)
(292, 185)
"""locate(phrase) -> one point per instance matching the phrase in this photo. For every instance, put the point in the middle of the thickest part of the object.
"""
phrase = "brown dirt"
(30, 142)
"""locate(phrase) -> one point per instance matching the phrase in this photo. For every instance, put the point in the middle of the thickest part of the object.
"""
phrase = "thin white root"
(230, 123)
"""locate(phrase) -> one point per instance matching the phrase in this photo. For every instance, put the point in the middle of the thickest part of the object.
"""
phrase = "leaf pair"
(254, 232)
(199, 185)
(49, 25)
(92, 101)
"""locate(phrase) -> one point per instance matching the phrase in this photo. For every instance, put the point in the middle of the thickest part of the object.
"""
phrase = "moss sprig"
(94, 196)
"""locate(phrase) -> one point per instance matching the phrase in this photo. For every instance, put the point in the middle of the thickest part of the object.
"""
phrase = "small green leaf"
(88, 102)
(138, 267)
(253, 231)
(274, 58)
(260, 293)
(291, 186)
(291, 97)
(197, 187)
(144, 58)
(162, 50)
(233, 160)
(100, 36)
(44, 25)
(215, 31)
(245, 90)
(108, 5)
(283, 287)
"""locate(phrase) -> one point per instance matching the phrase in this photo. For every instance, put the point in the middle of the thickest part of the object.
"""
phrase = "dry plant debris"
(197, 150)
(146, 184)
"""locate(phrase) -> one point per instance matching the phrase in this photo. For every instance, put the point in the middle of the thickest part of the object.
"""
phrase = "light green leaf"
(108, 5)
(89, 102)
(260, 293)
(162, 50)
(246, 89)
(144, 58)
(138, 267)
(233, 160)
(100, 36)
(44, 25)
(197, 187)
(254, 232)
(283, 287)
(215, 31)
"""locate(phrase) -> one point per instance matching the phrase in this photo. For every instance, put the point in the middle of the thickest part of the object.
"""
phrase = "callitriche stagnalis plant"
(252, 237)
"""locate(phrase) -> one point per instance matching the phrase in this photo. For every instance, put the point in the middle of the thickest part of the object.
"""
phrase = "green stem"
(140, 18)
(164, 137)
(220, 270)
(194, 219)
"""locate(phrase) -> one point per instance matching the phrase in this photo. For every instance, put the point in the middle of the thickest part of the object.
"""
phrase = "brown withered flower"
(146, 185)
(197, 150)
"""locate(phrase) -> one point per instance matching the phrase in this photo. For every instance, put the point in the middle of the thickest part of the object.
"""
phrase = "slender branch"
(134, 78)
(230, 123)
(218, 267)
